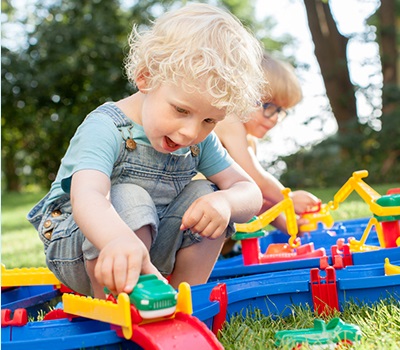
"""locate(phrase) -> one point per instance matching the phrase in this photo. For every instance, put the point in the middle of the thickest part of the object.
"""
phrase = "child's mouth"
(171, 144)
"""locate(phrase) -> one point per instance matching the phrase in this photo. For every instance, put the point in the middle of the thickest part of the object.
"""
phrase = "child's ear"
(142, 81)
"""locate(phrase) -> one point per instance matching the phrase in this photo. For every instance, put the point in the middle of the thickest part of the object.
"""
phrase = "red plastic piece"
(250, 251)
(135, 316)
(315, 209)
(56, 314)
(324, 291)
(19, 319)
(277, 252)
(64, 289)
(391, 229)
(219, 294)
(323, 262)
(181, 332)
(338, 262)
(277, 248)
(391, 232)
(305, 251)
(341, 254)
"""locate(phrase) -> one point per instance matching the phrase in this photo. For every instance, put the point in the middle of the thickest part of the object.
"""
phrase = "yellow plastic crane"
(285, 206)
(370, 196)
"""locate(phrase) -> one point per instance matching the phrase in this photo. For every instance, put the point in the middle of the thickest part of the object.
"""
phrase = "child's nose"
(190, 132)
(273, 118)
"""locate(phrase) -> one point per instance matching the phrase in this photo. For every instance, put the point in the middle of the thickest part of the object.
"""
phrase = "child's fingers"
(217, 232)
(191, 218)
(120, 272)
(132, 275)
(134, 272)
(149, 268)
(104, 272)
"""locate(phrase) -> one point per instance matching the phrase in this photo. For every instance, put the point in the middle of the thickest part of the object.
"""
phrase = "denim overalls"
(147, 188)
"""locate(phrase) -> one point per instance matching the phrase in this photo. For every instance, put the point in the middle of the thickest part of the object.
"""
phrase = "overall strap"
(117, 116)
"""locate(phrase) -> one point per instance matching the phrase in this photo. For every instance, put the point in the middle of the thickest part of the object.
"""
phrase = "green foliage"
(71, 62)
(336, 158)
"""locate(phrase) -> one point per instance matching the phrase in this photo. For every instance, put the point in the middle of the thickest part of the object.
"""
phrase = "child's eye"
(181, 110)
(210, 121)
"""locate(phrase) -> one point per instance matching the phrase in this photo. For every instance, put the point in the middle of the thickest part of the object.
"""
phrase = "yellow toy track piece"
(358, 247)
(31, 276)
(285, 206)
(184, 299)
(391, 269)
(102, 310)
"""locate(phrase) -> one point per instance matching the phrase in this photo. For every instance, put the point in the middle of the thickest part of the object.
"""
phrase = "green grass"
(20, 243)
(380, 323)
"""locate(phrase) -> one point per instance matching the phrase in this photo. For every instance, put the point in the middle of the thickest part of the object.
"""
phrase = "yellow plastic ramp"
(32, 276)
(101, 310)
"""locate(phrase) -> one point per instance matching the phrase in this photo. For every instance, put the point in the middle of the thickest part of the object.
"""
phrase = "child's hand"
(208, 216)
(121, 262)
(304, 201)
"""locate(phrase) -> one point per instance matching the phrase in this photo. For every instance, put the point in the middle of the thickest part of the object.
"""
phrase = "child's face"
(259, 125)
(173, 118)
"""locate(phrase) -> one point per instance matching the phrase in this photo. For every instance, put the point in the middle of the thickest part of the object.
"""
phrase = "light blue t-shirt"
(97, 144)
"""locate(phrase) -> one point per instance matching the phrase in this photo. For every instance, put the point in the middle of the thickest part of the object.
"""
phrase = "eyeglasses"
(271, 109)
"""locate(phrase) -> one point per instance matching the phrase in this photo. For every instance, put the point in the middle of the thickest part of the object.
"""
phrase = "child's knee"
(199, 188)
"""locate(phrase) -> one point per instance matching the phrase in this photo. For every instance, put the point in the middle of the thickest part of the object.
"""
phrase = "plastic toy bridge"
(386, 210)
(323, 283)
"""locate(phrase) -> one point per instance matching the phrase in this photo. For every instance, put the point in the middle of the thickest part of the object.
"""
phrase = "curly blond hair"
(207, 49)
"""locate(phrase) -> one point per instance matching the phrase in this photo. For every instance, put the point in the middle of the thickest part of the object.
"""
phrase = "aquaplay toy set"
(325, 266)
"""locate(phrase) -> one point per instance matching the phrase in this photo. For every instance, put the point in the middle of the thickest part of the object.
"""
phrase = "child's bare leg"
(195, 263)
(228, 246)
(144, 233)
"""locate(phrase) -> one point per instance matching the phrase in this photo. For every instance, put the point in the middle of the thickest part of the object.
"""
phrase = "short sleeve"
(95, 146)
(214, 157)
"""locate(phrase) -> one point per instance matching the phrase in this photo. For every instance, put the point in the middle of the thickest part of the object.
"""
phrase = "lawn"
(380, 324)
(20, 243)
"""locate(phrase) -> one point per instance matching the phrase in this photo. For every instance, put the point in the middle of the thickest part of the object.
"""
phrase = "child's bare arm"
(238, 148)
(123, 256)
(239, 199)
(234, 138)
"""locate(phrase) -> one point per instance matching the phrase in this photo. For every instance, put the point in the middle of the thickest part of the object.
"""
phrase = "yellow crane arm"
(366, 192)
(285, 206)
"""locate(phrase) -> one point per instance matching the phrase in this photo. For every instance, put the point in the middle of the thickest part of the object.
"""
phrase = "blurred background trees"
(372, 144)
(69, 59)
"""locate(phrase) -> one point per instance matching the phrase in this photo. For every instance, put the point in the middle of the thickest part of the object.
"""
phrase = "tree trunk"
(330, 50)
(388, 51)
(387, 31)
(13, 181)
